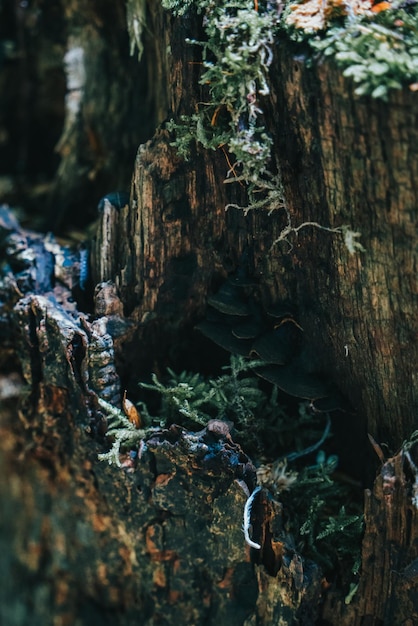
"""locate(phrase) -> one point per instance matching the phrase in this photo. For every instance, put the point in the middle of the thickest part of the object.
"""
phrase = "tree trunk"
(67, 74)
(354, 165)
(161, 542)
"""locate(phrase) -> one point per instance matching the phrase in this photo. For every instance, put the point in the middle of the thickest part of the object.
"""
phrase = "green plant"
(327, 531)
(190, 399)
(236, 55)
(324, 529)
(121, 431)
(178, 7)
(377, 49)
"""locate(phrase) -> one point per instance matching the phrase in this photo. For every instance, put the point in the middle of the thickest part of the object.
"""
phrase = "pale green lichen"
(123, 433)
(178, 7)
(136, 21)
(192, 400)
(236, 56)
(376, 48)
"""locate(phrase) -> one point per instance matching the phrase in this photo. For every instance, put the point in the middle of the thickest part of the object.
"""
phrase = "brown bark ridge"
(159, 540)
(387, 592)
(344, 161)
(353, 161)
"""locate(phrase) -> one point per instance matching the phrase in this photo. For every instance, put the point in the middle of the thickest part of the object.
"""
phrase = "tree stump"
(161, 541)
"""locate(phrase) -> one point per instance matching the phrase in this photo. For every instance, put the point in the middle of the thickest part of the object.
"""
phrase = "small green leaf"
(378, 69)
(380, 91)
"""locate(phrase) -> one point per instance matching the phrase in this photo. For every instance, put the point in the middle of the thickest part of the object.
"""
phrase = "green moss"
(178, 7)
(377, 50)
(318, 510)
(236, 56)
(325, 529)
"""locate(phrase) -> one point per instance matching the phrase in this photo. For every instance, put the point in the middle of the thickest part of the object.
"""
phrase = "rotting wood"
(387, 591)
(370, 347)
(351, 161)
(89, 543)
(45, 444)
(174, 518)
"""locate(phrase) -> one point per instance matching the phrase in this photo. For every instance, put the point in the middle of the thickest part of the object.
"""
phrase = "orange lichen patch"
(163, 555)
(381, 6)
(149, 539)
(159, 578)
(325, 584)
(100, 522)
(128, 557)
(57, 400)
(226, 581)
(156, 554)
(87, 465)
(52, 401)
(174, 596)
(163, 479)
(278, 548)
(315, 15)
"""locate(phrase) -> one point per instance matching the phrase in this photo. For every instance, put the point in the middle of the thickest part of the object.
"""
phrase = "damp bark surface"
(160, 540)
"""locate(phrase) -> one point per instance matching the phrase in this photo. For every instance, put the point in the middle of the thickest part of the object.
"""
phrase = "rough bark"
(163, 542)
(357, 311)
(159, 540)
(353, 161)
(387, 592)
(82, 543)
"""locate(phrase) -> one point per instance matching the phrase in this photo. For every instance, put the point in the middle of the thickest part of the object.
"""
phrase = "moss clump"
(325, 519)
(323, 528)
(236, 56)
(375, 44)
